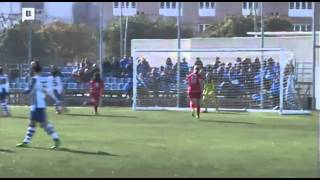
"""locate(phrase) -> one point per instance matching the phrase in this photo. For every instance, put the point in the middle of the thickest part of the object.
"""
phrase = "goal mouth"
(252, 80)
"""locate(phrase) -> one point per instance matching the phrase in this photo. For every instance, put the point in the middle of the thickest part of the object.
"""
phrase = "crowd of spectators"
(232, 79)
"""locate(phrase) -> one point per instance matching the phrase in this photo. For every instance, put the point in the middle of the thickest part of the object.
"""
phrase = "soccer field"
(123, 143)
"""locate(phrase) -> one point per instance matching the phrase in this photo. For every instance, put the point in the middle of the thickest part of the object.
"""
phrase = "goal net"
(244, 79)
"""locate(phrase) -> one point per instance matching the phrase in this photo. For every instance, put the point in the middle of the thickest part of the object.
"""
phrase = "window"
(309, 5)
(201, 5)
(203, 27)
(303, 5)
(124, 8)
(301, 27)
(162, 5)
(250, 8)
(250, 5)
(124, 4)
(206, 5)
(244, 5)
(174, 5)
(169, 8)
(309, 27)
(207, 9)
(115, 5)
(291, 5)
(300, 9)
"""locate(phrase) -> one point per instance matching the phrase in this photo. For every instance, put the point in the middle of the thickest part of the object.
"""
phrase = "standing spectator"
(216, 64)
(169, 63)
(198, 63)
(143, 67)
(106, 66)
(123, 64)
(115, 67)
(184, 68)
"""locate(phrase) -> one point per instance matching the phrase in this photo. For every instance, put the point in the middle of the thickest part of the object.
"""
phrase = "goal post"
(158, 93)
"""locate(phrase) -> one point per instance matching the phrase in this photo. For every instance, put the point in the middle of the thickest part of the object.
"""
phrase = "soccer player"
(96, 91)
(209, 91)
(195, 88)
(56, 88)
(4, 90)
(37, 91)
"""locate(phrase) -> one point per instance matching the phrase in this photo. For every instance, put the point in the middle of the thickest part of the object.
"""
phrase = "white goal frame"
(281, 51)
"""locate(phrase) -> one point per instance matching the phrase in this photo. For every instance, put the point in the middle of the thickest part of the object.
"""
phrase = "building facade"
(200, 14)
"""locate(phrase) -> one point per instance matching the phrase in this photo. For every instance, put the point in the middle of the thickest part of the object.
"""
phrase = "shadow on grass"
(19, 117)
(227, 122)
(88, 115)
(99, 153)
(6, 151)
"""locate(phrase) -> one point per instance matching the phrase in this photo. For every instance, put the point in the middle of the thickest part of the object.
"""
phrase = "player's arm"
(31, 87)
(101, 88)
(201, 82)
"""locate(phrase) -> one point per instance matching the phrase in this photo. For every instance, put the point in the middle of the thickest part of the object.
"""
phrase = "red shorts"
(94, 99)
(195, 95)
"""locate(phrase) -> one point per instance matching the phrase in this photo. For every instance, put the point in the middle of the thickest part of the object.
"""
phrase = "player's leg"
(58, 103)
(193, 106)
(96, 105)
(31, 130)
(49, 129)
(4, 103)
(198, 107)
(205, 101)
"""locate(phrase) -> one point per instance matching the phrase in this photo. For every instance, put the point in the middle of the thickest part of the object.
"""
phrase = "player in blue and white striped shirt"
(4, 90)
(56, 87)
(37, 91)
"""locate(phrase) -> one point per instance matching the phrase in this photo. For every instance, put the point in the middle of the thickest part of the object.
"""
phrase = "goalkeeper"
(209, 91)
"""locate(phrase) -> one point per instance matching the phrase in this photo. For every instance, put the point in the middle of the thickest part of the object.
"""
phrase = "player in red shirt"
(96, 91)
(195, 88)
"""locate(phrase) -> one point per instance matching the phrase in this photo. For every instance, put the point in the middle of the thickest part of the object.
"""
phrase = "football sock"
(30, 132)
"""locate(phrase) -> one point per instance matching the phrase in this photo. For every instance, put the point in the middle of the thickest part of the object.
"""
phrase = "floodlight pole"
(125, 37)
(121, 35)
(179, 53)
(101, 37)
(30, 42)
(262, 56)
(314, 45)
(101, 42)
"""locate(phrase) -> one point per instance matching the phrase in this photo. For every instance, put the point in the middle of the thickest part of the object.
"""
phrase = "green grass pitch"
(123, 143)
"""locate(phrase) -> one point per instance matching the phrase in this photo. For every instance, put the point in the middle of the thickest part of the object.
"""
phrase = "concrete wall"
(301, 46)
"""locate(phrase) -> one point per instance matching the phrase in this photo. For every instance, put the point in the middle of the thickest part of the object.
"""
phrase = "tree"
(14, 43)
(71, 41)
(238, 26)
(141, 27)
(278, 24)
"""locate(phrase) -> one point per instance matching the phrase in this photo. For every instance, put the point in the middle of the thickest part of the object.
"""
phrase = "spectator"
(216, 64)
(198, 63)
(143, 67)
(184, 68)
(123, 64)
(106, 66)
(153, 82)
(169, 63)
(115, 65)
